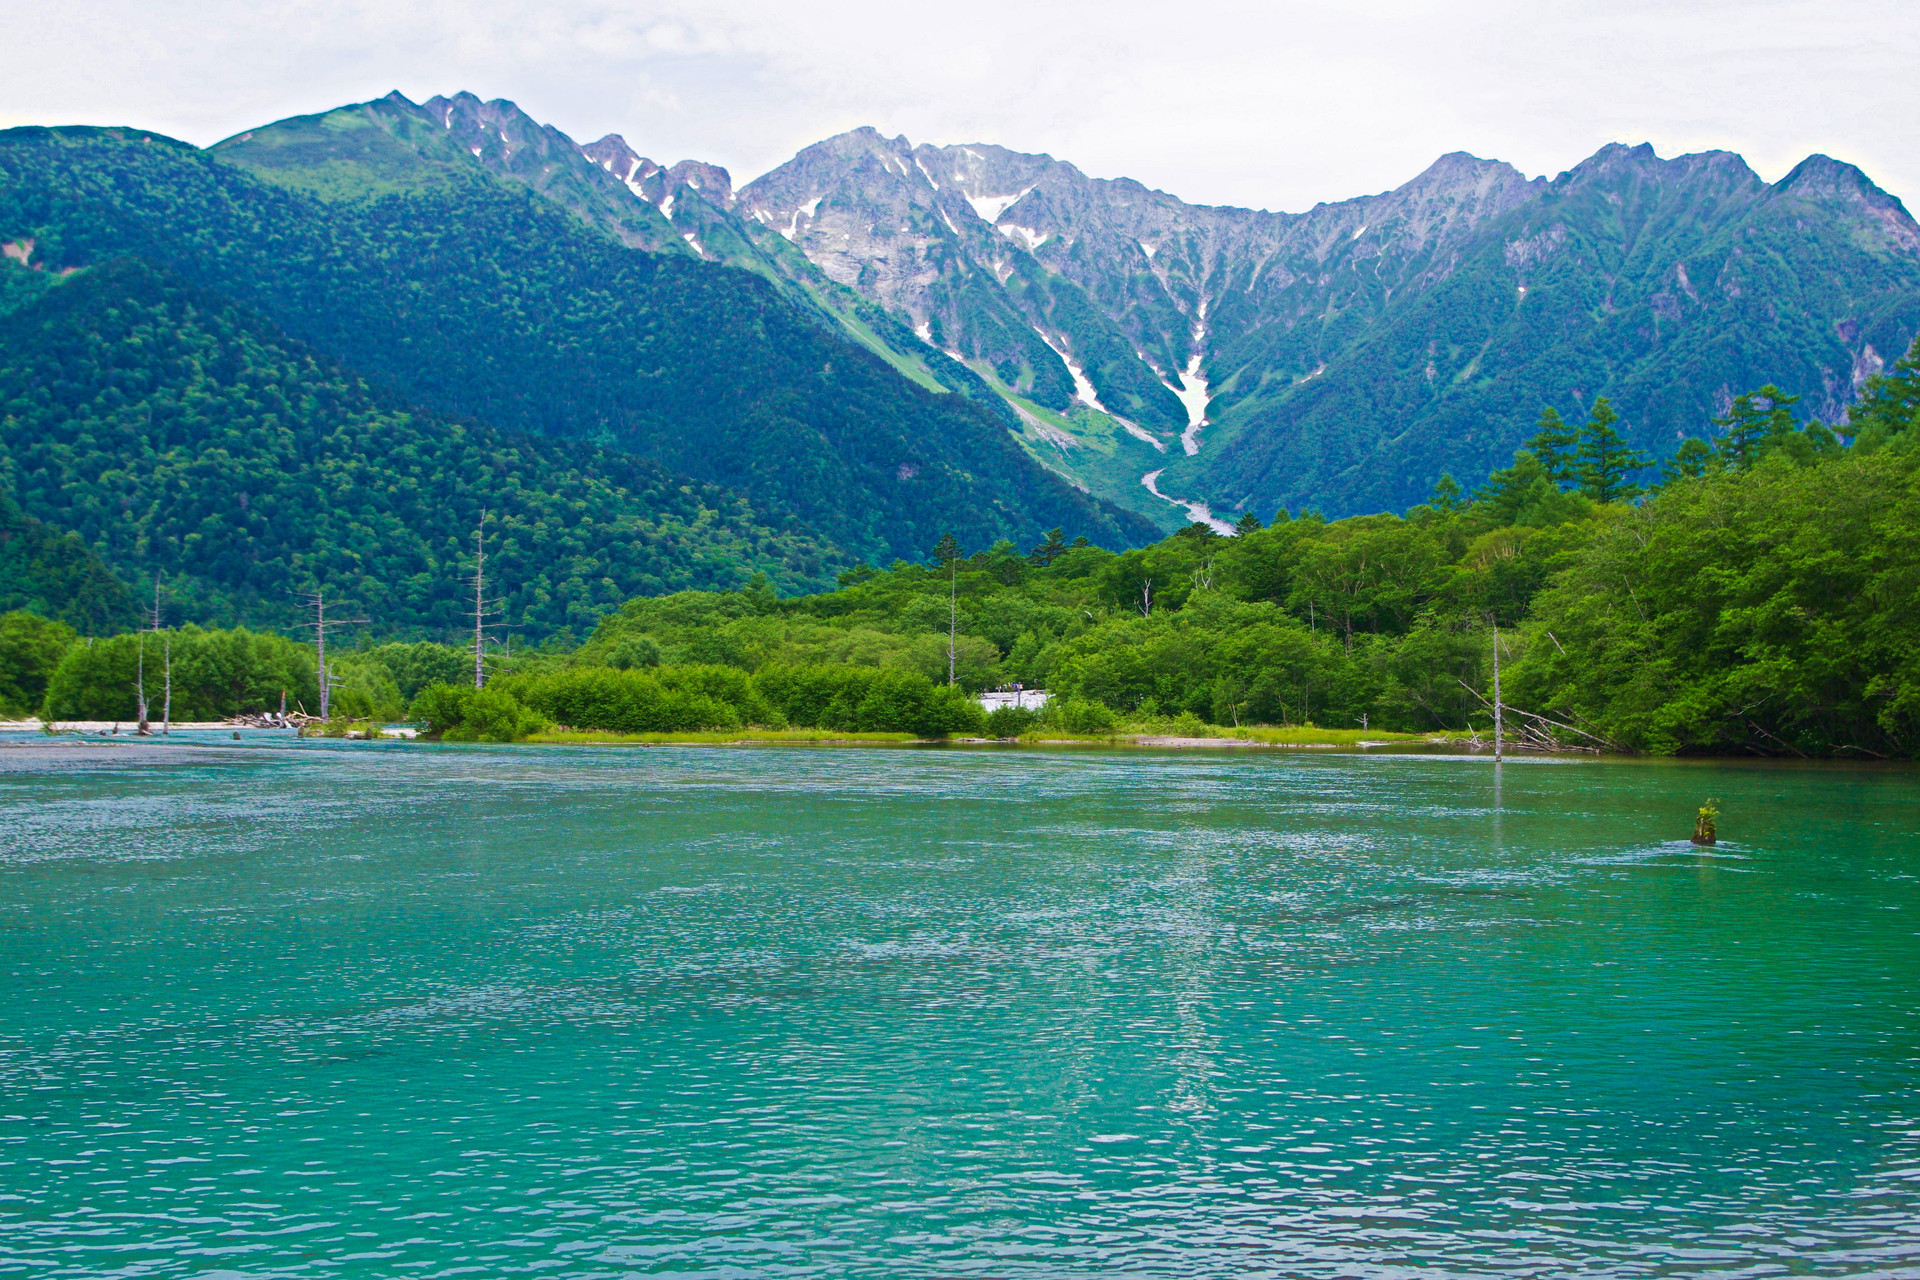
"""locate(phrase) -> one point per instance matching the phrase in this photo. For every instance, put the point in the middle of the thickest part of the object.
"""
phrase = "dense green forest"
(478, 299)
(188, 443)
(55, 574)
(1762, 598)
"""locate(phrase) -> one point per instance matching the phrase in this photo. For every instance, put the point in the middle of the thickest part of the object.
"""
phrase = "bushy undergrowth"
(697, 697)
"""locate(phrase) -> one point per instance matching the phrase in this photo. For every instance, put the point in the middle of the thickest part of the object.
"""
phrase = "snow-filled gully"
(1197, 511)
(1192, 394)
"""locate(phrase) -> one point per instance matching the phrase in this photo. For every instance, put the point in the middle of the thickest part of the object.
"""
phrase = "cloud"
(1277, 104)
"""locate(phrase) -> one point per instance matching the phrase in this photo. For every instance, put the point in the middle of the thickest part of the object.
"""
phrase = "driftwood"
(1533, 731)
(274, 720)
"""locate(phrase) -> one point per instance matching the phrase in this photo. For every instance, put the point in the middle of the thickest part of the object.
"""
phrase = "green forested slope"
(480, 299)
(1668, 286)
(187, 440)
(55, 574)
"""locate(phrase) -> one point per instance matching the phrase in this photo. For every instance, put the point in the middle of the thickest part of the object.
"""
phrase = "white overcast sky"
(1273, 105)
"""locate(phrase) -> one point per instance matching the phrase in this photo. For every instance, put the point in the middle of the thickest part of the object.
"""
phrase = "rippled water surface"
(332, 1011)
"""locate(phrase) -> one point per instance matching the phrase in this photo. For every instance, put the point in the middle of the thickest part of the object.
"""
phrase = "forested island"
(1759, 596)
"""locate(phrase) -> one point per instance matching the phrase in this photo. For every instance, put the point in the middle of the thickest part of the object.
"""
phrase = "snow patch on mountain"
(1192, 394)
(1082, 387)
(1026, 235)
(989, 208)
(1199, 512)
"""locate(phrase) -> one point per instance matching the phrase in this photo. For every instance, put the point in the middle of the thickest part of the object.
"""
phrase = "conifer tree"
(1756, 422)
(1606, 459)
(1890, 402)
(1246, 524)
(1557, 446)
(947, 550)
(1448, 497)
(1049, 550)
(1693, 459)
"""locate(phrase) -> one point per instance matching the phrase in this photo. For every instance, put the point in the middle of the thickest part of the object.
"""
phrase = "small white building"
(1025, 699)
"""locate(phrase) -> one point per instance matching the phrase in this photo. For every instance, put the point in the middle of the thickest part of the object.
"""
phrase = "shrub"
(494, 715)
(440, 707)
(1010, 722)
(30, 651)
(868, 700)
(634, 651)
(1075, 715)
(670, 700)
(1189, 725)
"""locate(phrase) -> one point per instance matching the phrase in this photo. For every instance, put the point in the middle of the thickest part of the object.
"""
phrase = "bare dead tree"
(166, 649)
(317, 601)
(1498, 748)
(1537, 732)
(140, 681)
(483, 609)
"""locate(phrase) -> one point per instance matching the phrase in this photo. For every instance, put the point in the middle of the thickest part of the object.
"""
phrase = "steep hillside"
(186, 440)
(477, 297)
(690, 208)
(1668, 286)
(395, 145)
(54, 573)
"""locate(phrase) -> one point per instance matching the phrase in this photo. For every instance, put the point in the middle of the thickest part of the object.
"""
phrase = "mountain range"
(878, 342)
(1341, 358)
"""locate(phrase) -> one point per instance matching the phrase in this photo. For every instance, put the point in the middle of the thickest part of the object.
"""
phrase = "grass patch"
(1125, 735)
(718, 736)
(1289, 736)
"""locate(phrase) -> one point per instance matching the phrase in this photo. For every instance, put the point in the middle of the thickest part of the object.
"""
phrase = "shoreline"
(14, 736)
(92, 732)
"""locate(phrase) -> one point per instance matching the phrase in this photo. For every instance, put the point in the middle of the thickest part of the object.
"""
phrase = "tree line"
(1756, 594)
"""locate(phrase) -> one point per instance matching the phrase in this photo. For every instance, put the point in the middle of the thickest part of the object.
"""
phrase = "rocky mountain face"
(1341, 358)
(1345, 357)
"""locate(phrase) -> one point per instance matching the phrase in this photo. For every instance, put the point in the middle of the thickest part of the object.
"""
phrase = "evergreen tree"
(1890, 402)
(1050, 550)
(1557, 446)
(1755, 423)
(947, 550)
(1448, 497)
(1693, 459)
(1246, 524)
(1606, 460)
(1523, 494)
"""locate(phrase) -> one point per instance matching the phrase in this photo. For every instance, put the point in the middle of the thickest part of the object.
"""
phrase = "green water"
(332, 1010)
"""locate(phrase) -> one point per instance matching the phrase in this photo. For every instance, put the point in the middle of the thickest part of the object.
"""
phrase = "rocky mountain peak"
(632, 169)
(1617, 164)
(1834, 182)
(710, 180)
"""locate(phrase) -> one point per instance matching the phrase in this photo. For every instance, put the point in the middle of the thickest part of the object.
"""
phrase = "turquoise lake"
(351, 1010)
